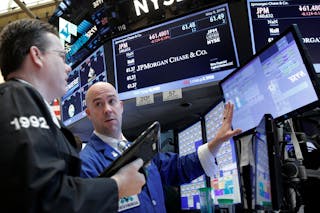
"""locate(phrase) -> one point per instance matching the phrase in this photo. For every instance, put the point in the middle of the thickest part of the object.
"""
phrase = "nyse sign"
(143, 5)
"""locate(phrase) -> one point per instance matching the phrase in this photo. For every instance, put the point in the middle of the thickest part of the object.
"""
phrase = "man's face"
(104, 109)
(56, 68)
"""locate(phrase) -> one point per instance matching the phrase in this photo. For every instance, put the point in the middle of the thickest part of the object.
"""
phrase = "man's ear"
(36, 56)
(88, 113)
(121, 104)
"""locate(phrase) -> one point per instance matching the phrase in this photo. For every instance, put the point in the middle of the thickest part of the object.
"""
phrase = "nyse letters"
(142, 5)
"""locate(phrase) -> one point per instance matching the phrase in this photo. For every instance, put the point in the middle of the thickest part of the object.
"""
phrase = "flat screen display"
(226, 182)
(91, 70)
(267, 186)
(83, 27)
(267, 19)
(189, 140)
(279, 80)
(262, 180)
(194, 49)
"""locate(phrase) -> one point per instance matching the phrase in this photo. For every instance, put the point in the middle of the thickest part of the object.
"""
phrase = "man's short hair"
(16, 39)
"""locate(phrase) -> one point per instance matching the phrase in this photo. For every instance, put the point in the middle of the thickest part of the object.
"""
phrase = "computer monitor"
(269, 18)
(267, 188)
(194, 49)
(83, 27)
(226, 180)
(189, 140)
(91, 70)
(278, 80)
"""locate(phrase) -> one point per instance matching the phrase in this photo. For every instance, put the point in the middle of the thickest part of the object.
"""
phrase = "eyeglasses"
(61, 53)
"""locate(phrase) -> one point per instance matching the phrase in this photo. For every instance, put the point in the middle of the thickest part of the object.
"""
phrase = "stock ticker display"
(268, 19)
(194, 49)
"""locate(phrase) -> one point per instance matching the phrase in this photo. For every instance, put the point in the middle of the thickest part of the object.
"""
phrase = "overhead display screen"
(268, 19)
(194, 49)
(91, 70)
(83, 26)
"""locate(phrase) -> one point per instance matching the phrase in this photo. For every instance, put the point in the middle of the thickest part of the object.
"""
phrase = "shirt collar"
(113, 142)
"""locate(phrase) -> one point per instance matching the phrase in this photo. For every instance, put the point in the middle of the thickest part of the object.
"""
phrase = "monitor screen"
(267, 19)
(83, 27)
(189, 140)
(267, 190)
(226, 180)
(91, 70)
(278, 80)
(191, 50)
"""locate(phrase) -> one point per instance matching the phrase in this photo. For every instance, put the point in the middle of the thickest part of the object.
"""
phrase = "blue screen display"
(276, 81)
(262, 189)
(226, 182)
(189, 140)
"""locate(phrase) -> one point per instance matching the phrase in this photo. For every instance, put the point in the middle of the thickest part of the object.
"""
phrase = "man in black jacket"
(39, 164)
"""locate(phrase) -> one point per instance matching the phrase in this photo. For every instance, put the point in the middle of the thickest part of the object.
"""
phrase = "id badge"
(128, 202)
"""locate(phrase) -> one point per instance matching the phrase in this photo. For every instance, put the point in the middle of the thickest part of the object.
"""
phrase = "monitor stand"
(227, 208)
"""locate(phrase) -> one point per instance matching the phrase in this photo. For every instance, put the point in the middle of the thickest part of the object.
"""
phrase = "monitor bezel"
(294, 30)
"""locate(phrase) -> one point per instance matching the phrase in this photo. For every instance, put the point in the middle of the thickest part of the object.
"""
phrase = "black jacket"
(39, 165)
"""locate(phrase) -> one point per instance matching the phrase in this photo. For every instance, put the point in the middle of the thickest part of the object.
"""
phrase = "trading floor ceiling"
(11, 10)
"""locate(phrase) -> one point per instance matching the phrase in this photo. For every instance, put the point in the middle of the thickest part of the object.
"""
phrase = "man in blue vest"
(104, 109)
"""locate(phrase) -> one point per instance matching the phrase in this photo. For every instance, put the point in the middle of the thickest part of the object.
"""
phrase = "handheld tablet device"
(145, 146)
